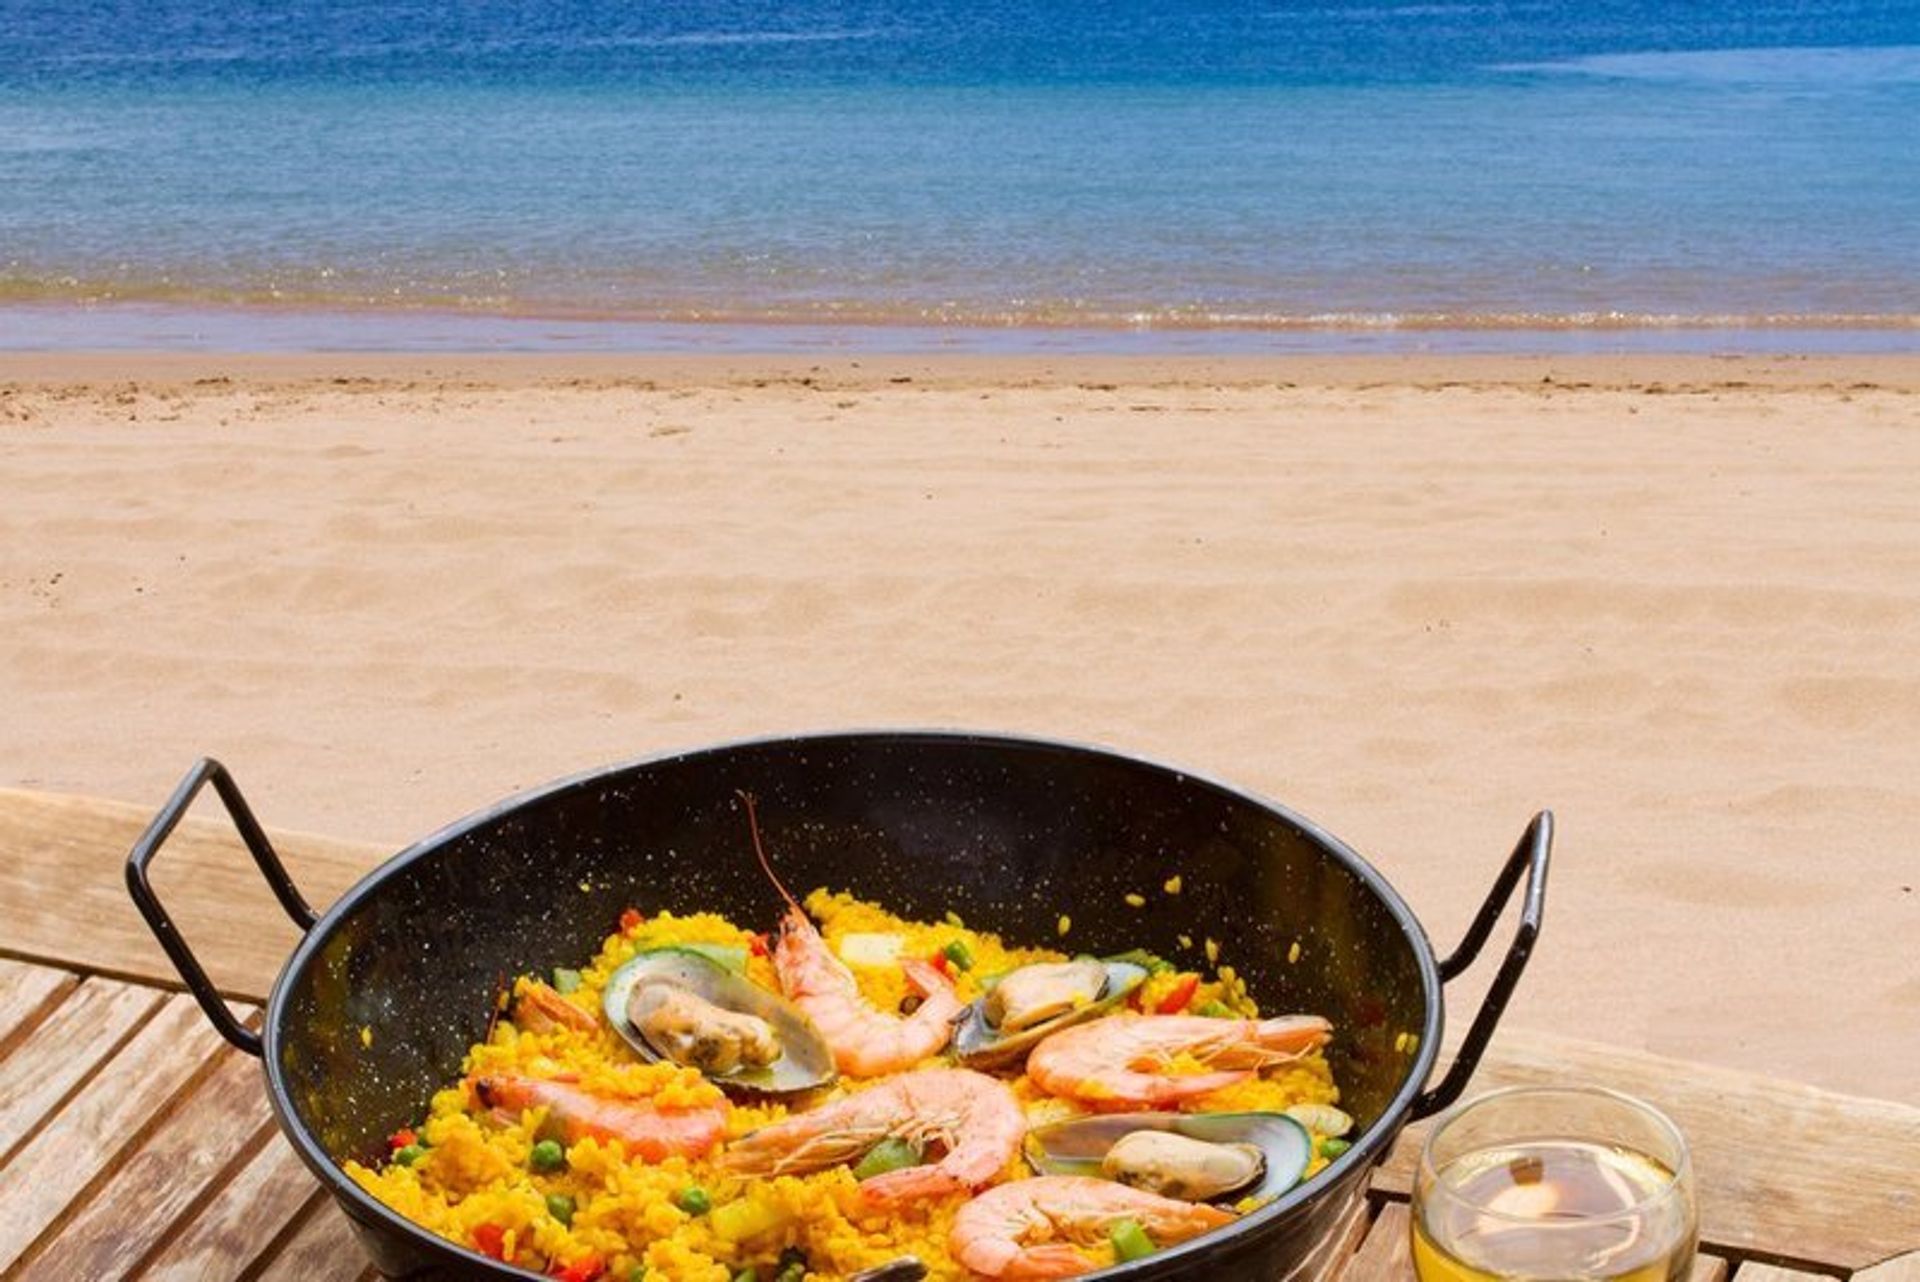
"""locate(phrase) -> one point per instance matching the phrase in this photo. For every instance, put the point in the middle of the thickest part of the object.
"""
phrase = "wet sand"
(1677, 599)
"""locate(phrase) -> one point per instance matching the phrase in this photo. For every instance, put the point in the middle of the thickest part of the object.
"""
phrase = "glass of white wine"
(1554, 1184)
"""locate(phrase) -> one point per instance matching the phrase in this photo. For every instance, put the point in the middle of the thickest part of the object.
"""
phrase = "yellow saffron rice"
(474, 1181)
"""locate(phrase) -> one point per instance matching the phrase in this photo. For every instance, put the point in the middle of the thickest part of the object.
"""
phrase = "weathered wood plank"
(62, 878)
(1708, 1268)
(1752, 1271)
(24, 989)
(1770, 1179)
(96, 1016)
(86, 1138)
(243, 1219)
(1387, 1254)
(1901, 1268)
(324, 1250)
(165, 1178)
(1331, 1258)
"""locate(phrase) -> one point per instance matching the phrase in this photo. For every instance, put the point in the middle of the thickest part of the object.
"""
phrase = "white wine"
(1554, 1211)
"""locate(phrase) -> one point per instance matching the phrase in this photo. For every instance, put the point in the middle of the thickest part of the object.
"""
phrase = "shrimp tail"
(913, 1184)
(1042, 1263)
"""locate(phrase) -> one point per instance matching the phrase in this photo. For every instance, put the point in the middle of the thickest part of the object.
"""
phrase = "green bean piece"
(1333, 1147)
(747, 1275)
(959, 954)
(1214, 1010)
(1130, 1241)
(560, 1207)
(890, 1154)
(638, 1273)
(694, 1200)
(792, 1265)
(410, 1154)
(564, 980)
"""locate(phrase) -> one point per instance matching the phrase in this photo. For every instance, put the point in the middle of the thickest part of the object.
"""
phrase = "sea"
(1114, 175)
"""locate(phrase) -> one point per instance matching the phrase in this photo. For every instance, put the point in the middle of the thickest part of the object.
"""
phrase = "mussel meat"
(1027, 1004)
(1197, 1157)
(683, 1006)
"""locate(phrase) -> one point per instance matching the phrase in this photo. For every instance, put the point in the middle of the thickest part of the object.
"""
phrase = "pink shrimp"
(1119, 1064)
(972, 1120)
(653, 1134)
(866, 1042)
(1027, 1229)
(539, 1008)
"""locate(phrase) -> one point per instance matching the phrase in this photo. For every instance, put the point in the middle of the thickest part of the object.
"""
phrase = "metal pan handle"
(1529, 857)
(209, 771)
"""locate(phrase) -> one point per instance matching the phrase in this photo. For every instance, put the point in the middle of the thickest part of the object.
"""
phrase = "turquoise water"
(1244, 168)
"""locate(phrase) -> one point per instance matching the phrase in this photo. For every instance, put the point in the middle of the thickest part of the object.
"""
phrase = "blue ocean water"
(1188, 164)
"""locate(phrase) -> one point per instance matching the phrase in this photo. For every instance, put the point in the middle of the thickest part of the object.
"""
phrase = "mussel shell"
(806, 1061)
(979, 1044)
(1077, 1145)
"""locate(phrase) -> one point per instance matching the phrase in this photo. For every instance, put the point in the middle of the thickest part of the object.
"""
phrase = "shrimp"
(651, 1133)
(866, 1042)
(1027, 1229)
(539, 1008)
(974, 1120)
(1119, 1064)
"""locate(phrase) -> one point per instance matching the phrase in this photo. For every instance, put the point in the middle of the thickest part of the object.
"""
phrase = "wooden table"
(135, 1144)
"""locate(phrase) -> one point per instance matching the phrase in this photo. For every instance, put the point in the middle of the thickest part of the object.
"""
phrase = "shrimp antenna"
(753, 826)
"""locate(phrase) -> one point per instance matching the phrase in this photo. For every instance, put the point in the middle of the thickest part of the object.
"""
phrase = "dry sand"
(1678, 600)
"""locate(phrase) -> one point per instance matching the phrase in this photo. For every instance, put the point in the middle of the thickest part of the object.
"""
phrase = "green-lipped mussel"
(1197, 1157)
(687, 1007)
(1027, 1004)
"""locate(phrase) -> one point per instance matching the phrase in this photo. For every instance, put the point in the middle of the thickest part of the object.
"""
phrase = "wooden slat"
(83, 1140)
(1708, 1268)
(62, 878)
(96, 1016)
(24, 989)
(242, 1220)
(1774, 1175)
(324, 1250)
(1386, 1255)
(1901, 1268)
(170, 1174)
(1752, 1271)
(1330, 1259)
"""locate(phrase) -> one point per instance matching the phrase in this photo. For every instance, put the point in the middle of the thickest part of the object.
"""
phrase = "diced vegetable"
(560, 1207)
(890, 1154)
(747, 1275)
(1214, 1010)
(749, 1217)
(401, 1138)
(410, 1154)
(638, 1273)
(1152, 963)
(631, 920)
(1130, 1241)
(1334, 1147)
(564, 980)
(1178, 996)
(693, 1200)
(588, 1268)
(490, 1240)
(959, 954)
(791, 1266)
(547, 1156)
(871, 949)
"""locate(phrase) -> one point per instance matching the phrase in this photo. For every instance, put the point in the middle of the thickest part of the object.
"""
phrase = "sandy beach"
(1675, 599)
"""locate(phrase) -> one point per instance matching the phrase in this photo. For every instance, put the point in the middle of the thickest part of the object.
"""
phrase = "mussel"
(686, 1007)
(1027, 1004)
(1197, 1157)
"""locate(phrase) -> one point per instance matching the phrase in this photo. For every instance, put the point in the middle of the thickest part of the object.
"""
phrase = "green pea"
(960, 955)
(1335, 1147)
(410, 1154)
(888, 1155)
(1130, 1241)
(564, 980)
(693, 1200)
(547, 1155)
(560, 1207)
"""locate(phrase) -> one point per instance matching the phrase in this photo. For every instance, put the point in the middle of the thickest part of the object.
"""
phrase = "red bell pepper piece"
(585, 1269)
(1178, 999)
(401, 1138)
(757, 945)
(490, 1240)
(631, 920)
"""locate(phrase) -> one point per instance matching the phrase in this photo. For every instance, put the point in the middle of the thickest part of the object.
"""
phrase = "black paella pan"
(1011, 833)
